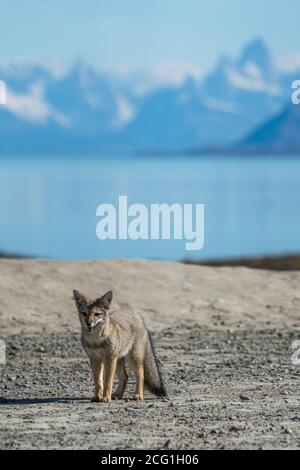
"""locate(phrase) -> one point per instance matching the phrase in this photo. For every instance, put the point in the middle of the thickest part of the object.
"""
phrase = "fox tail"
(153, 378)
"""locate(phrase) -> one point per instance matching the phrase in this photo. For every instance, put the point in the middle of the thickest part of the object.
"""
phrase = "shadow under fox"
(111, 337)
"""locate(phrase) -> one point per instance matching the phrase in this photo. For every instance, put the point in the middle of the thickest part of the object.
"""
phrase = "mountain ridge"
(85, 110)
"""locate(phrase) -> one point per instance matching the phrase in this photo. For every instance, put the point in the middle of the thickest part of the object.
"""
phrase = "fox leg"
(138, 367)
(97, 369)
(122, 379)
(110, 366)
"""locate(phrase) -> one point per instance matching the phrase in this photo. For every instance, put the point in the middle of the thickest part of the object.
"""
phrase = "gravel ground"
(224, 337)
(229, 388)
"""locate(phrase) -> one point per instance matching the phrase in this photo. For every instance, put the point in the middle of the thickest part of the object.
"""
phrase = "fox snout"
(91, 324)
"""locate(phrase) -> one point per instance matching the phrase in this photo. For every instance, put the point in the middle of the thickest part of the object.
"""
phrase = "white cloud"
(289, 64)
(170, 73)
(32, 106)
(174, 72)
(2, 92)
(21, 70)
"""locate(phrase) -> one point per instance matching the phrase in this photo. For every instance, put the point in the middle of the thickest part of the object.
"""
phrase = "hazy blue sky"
(110, 33)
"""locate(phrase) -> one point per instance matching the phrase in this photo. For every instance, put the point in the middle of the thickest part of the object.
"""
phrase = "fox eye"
(84, 314)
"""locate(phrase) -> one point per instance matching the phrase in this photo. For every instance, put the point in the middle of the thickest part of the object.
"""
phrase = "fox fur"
(114, 340)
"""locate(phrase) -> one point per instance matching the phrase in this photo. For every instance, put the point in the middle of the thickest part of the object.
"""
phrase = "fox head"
(92, 313)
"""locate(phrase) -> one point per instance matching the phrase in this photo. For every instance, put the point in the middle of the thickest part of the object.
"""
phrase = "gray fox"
(110, 338)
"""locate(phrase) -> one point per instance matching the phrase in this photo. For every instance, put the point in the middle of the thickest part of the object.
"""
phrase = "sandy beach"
(224, 337)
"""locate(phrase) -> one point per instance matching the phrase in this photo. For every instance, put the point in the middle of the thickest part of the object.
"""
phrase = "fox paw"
(117, 396)
(105, 399)
(95, 399)
(138, 397)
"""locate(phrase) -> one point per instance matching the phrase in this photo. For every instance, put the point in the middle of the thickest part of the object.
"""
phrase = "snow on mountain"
(171, 106)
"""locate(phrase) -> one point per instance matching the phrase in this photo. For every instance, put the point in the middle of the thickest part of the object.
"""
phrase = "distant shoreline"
(212, 152)
(273, 263)
(14, 256)
(221, 152)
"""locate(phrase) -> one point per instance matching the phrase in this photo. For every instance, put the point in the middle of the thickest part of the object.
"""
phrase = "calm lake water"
(48, 207)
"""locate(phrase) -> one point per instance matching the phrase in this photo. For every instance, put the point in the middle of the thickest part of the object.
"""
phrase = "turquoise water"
(48, 207)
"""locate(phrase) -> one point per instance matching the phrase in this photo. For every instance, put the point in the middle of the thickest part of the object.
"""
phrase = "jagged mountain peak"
(105, 109)
(258, 53)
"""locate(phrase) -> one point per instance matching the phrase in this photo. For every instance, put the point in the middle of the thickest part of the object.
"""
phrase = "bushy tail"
(153, 379)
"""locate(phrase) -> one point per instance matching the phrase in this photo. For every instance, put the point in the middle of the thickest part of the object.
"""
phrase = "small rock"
(167, 444)
(12, 378)
(234, 429)
(244, 398)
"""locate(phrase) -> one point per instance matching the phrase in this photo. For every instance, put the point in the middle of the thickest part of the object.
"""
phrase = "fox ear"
(80, 299)
(105, 300)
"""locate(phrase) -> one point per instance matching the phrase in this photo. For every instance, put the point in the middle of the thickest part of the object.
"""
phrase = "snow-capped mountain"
(244, 92)
(171, 107)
